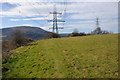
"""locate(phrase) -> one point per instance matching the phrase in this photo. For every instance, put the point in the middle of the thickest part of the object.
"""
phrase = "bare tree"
(75, 31)
(98, 30)
(17, 38)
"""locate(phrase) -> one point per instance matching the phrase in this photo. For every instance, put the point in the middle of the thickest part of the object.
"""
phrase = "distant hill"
(30, 32)
(64, 35)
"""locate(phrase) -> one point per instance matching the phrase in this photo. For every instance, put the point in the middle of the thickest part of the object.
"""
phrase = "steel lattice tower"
(97, 22)
(55, 20)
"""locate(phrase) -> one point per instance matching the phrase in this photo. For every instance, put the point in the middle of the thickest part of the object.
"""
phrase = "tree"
(75, 31)
(97, 31)
(52, 35)
(18, 38)
(105, 32)
(73, 34)
(82, 34)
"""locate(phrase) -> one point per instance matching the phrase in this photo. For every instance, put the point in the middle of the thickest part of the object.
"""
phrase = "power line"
(27, 16)
(37, 21)
(37, 10)
(33, 7)
(54, 20)
(64, 12)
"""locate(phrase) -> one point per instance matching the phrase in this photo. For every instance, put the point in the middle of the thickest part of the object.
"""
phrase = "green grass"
(93, 56)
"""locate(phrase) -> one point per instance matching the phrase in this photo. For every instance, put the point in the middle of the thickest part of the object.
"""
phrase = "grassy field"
(93, 56)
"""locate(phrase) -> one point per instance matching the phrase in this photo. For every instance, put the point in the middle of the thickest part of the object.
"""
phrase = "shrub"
(17, 40)
(6, 56)
(52, 35)
(82, 34)
(76, 34)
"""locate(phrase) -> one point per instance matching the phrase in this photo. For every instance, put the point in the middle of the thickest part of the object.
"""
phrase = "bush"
(17, 40)
(6, 56)
(76, 34)
(28, 40)
(82, 34)
(52, 35)
(98, 30)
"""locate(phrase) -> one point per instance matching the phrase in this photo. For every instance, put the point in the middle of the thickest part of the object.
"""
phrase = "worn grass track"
(93, 56)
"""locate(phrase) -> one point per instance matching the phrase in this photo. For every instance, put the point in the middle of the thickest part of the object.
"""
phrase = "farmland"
(94, 56)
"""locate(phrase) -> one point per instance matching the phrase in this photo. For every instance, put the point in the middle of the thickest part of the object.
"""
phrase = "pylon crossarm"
(55, 21)
(55, 13)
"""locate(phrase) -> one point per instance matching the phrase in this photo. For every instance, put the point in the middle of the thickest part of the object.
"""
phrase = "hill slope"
(31, 32)
(73, 57)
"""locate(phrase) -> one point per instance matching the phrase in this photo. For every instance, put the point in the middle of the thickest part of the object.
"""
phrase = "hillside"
(30, 32)
(93, 56)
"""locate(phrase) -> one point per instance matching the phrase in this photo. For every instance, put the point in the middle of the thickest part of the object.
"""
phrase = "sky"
(78, 14)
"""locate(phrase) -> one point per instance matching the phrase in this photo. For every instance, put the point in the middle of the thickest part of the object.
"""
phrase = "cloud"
(93, 10)
(28, 19)
(84, 10)
(46, 28)
(111, 25)
(37, 18)
(1, 16)
(14, 19)
(13, 1)
(39, 10)
(27, 9)
(26, 25)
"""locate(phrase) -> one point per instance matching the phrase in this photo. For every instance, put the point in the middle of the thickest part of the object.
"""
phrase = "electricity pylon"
(55, 20)
(97, 22)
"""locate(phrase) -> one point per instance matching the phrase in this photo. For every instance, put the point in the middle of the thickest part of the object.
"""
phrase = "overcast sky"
(79, 14)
